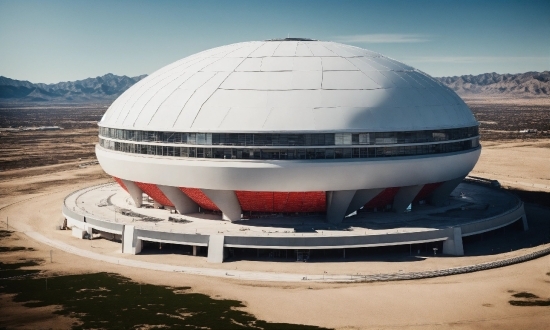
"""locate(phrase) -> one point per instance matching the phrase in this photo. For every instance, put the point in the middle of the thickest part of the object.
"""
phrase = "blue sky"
(53, 41)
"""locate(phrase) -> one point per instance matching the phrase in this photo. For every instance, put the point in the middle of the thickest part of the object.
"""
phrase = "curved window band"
(289, 153)
(290, 139)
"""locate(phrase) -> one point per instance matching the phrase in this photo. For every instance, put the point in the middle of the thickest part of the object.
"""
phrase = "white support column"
(216, 252)
(453, 244)
(227, 202)
(194, 250)
(130, 243)
(440, 196)
(135, 192)
(361, 198)
(183, 204)
(404, 197)
(337, 204)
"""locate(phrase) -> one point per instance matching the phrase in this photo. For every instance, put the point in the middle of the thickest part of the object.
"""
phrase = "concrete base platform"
(471, 209)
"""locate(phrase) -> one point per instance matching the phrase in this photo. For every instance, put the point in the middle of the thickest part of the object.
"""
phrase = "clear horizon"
(56, 41)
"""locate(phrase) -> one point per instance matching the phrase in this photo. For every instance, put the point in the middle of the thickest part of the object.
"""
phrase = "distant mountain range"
(107, 88)
(528, 84)
(100, 89)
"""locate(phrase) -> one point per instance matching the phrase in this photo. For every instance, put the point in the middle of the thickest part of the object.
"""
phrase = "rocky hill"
(528, 84)
(99, 89)
(108, 87)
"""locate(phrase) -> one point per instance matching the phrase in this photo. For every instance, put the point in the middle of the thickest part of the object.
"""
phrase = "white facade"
(289, 87)
(280, 86)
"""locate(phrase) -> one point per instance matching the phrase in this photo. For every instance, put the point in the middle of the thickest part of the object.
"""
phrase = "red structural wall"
(382, 199)
(288, 202)
(119, 181)
(200, 198)
(155, 193)
(426, 190)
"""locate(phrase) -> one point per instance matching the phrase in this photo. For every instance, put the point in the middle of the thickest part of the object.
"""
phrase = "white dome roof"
(278, 86)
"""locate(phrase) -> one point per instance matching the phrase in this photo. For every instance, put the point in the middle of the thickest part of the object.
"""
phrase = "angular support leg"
(337, 204)
(362, 197)
(440, 196)
(404, 197)
(135, 192)
(183, 204)
(227, 202)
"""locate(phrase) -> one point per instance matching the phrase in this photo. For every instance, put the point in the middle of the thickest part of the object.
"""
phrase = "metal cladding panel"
(250, 64)
(307, 64)
(259, 81)
(277, 64)
(160, 98)
(303, 50)
(286, 49)
(200, 198)
(154, 192)
(318, 49)
(294, 99)
(245, 50)
(238, 98)
(265, 50)
(306, 80)
(362, 63)
(396, 79)
(373, 61)
(360, 98)
(379, 78)
(196, 101)
(303, 119)
(337, 64)
(390, 64)
(210, 118)
(409, 79)
(428, 98)
(243, 117)
(169, 110)
(260, 76)
(343, 51)
(347, 80)
(227, 64)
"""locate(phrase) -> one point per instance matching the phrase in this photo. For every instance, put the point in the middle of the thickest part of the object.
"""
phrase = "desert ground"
(39, 168)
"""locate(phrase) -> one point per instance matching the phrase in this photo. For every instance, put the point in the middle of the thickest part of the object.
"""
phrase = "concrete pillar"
(404, 197)
(89, 230)
(194, 250)
(440, 196)
(337, 204)
(130, 243)
(216, 251)
(183, 204)
(135, 192)
(453, 244)
(361, 198)
(227, 202)
(77, 232)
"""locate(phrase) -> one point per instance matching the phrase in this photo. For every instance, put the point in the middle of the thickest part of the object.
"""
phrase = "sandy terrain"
(478, 300)
(32, 197)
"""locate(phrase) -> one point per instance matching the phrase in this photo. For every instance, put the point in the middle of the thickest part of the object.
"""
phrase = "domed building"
(288, 126)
